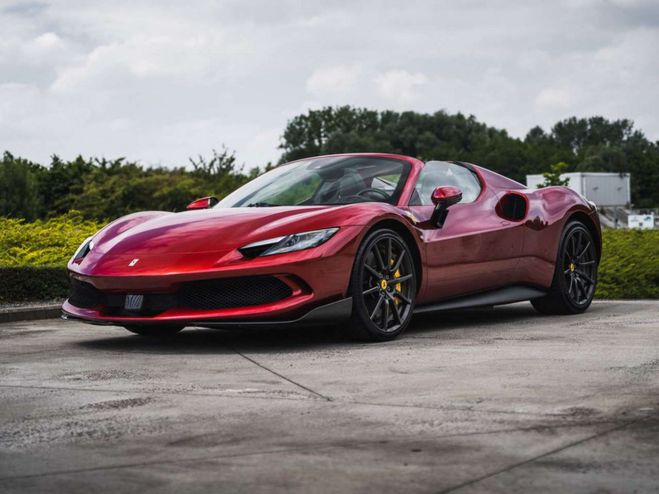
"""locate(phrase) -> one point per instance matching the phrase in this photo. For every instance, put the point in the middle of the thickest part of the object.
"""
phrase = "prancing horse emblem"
(133, 262)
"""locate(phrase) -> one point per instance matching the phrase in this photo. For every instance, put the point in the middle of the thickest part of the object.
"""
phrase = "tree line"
(100, 188)
(104, 189)
(592, 144)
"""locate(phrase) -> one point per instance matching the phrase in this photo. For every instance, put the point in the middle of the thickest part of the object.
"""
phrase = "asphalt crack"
(281, 376)
(212, 393)
(154, 462)
(539, 457)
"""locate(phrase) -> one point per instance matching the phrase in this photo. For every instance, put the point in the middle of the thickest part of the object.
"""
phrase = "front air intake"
(233, 292)
(217, 294)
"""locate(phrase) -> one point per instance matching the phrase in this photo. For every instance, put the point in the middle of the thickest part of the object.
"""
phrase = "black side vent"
(512, 207)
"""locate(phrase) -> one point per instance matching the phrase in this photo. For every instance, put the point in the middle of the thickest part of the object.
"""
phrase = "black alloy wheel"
(579, 266)
(383, 287)
(575, 277)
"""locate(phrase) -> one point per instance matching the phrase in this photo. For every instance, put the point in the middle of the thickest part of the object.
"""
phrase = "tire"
(154, 331)
(575, 276)
(383, 292)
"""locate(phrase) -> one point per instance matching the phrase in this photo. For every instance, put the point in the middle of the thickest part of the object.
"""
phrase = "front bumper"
(248, 297)
(314, 278)
(331, 313)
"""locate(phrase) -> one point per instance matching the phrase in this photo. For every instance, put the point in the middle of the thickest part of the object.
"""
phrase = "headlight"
(85, 247)
(288, 243)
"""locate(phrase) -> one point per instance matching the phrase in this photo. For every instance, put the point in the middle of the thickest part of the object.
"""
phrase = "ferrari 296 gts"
(362, 240)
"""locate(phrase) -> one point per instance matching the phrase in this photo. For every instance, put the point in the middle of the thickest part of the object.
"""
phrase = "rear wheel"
(383, 286)
(575, 277)
(154, 331)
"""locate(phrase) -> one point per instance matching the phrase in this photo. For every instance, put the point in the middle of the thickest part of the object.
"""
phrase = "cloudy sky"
(160, 81)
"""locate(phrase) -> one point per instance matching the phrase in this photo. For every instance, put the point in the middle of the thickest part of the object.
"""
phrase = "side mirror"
(443, 198)
(203, 203)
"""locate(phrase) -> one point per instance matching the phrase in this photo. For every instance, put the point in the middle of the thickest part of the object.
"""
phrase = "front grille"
(233, 292)
(84, 295)
(215, 294)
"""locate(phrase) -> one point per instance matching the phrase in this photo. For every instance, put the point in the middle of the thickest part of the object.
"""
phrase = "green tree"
(62, 183)
(104, 189)
(587, 144)
(553, 175)
(19, 188)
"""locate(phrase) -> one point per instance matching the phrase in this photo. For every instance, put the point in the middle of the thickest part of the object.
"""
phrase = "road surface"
(501, 400)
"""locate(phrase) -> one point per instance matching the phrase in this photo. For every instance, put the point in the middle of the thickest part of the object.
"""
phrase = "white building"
(604, 189)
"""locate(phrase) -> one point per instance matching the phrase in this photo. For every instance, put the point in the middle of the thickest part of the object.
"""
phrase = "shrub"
(49, 242)
(33, 256)
(630, 264)
(33, 283)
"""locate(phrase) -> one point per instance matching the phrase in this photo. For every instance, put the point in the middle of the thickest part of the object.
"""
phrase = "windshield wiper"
(259, 205)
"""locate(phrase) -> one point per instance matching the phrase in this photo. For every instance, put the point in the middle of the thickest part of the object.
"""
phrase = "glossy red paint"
(477, 249)
(447, 194)
(203, 203)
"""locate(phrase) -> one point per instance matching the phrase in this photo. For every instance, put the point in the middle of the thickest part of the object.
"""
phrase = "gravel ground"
(499, 400)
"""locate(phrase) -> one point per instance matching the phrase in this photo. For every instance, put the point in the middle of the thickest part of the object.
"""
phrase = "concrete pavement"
(501, 400)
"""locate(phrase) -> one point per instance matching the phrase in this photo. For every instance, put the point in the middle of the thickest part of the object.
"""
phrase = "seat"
(348, 185)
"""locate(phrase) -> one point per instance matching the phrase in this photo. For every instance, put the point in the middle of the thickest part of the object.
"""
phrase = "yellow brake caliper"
(398, 287)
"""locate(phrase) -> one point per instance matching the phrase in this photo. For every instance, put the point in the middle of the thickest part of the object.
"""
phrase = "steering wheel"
(370, 190)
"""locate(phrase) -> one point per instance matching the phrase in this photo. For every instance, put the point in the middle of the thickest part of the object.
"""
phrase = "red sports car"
(364, 239)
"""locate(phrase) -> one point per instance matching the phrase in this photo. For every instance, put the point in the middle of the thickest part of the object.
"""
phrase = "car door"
(476, 250)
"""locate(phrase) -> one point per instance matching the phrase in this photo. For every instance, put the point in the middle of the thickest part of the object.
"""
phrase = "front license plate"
(134, 302)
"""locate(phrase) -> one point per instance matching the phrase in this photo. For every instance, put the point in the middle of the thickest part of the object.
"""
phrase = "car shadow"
(218, 341)
(470, 318)
(200, 340)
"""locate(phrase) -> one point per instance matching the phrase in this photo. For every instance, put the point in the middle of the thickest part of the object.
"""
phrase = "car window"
(328, 180)
(440, 173)
(296, 192)
(387, 183)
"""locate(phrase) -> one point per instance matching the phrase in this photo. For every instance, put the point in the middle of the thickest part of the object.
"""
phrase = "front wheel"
(575, 277)
(154, 331)
(383, 287)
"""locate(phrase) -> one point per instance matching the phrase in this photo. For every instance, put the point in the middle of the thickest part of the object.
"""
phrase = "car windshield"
(322, 181)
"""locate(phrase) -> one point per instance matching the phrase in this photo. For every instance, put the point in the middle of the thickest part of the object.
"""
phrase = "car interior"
(358, 179)
(443, 173)
(346, 180)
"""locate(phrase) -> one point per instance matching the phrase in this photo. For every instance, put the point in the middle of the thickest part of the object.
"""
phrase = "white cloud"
(183, 54)
(46, 41)
(338, 79)
(162, 81)
(399, 85)
(554, 98)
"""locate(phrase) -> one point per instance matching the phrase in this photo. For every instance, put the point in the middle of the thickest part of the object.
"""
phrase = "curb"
(33, 313)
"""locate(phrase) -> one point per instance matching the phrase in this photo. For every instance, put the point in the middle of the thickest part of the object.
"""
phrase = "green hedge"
(33, 257)
(22, 284)
(630, 264)
(49, 242)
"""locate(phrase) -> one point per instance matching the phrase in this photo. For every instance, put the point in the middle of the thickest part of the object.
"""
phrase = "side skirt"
(507, 295)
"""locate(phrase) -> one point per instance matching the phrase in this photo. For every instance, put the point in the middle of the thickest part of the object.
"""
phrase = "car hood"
(214, 230)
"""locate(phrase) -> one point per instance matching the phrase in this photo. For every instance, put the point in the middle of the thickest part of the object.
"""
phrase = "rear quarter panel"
(549, 210)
